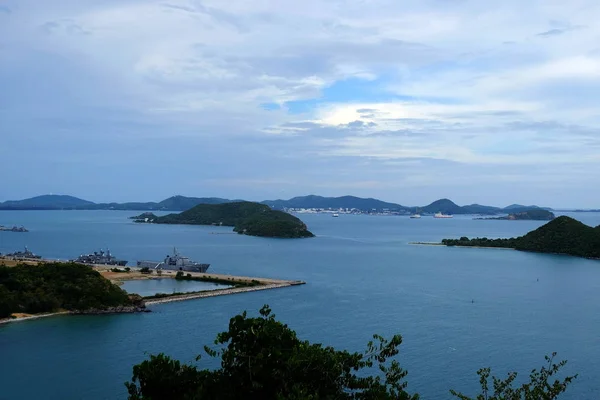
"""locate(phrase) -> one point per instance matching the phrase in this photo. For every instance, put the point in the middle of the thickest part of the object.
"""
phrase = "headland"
(119, 301)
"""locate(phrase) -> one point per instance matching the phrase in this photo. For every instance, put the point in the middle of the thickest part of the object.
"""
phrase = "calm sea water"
(166, 285)
(457, 309)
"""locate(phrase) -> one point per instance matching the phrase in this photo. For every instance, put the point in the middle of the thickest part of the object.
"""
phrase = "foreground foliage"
(262, 358)
(563, 235)
(49, 287)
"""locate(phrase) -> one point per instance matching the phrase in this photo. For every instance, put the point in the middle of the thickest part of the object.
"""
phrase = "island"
(27, 290)
(145, 216)
(536, 214)
(563, 235)
(245, 217)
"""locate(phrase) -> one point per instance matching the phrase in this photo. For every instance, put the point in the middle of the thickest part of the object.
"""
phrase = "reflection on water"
(149, 287)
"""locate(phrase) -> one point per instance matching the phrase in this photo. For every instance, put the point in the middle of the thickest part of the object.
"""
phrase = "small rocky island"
(13, 229)
(247, 218)
(537, 214)
(56, 287)
(563, 235)
(144, 217)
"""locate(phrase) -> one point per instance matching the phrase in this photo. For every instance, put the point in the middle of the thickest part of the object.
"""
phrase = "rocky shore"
(137, 305)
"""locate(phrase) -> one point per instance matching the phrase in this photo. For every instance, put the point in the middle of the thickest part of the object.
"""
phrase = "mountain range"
(182, 203)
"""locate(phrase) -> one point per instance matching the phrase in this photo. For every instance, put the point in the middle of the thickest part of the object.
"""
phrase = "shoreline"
(220, 292)
(246, 284)
(33, 316)
(168, 299)
(462, 247)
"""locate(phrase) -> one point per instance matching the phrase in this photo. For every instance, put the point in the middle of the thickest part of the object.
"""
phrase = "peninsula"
(536, 214)
(55, 287)
(563, 235)
(247, 218)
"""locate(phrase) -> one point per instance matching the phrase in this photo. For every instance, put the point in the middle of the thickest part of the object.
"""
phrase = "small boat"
(335, 215)
(441, 215)
(415, 216)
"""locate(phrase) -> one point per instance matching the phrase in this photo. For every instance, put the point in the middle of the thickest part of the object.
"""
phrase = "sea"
(457, 309)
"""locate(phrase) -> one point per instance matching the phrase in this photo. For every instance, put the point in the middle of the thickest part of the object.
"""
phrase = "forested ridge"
(51, 287)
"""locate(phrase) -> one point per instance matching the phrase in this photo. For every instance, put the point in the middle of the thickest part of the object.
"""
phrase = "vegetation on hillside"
(563, 235)
(262, 358)
(246, 217)
(536, 214)
(42, 288)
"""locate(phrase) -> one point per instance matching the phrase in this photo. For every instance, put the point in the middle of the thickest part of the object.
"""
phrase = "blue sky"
(408, 101)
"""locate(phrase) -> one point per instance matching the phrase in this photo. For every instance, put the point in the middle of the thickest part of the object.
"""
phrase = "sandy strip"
(462, 247)
(8, 320)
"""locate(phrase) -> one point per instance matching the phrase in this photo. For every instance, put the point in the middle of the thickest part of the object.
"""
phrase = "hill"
(313, 201)
(248, 218)
(182, 203)
(45, 202)
(563, 235)
(57, 202)
(51, 287)
(445, 206)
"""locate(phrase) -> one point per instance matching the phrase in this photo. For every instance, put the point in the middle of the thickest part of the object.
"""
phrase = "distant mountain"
(56, 202)
(313, 201)
(445, 206)
(518, 206)
(185, 203)
(45, 202)
(182, 203)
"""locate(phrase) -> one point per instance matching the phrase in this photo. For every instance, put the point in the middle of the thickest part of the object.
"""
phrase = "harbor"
(118, 274)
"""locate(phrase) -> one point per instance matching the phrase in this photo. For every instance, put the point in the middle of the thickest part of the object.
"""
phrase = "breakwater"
(220, 292)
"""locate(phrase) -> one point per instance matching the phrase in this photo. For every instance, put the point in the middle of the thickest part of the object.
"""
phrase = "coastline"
(245, 284)
(220, 292)
(462, 247)
(33, 316)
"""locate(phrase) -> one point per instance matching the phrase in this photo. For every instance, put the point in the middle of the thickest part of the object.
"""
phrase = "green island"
(563, 235)
(54, 287)
(536, 214)
(247, 218)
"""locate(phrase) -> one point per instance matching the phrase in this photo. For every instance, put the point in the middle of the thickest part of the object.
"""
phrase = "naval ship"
(27, 254)
(175, 262)
(100, 257)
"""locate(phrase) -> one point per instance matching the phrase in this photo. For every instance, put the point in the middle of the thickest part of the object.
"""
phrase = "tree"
(262, 358)
(539, 386)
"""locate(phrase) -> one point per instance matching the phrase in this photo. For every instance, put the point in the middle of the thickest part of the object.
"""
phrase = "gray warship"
(101, 258)
(22, 255)
(175, 262)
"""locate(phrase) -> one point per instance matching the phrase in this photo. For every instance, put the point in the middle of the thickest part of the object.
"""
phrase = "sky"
(407, 101)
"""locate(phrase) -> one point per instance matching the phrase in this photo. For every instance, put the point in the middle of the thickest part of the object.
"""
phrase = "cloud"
(553, 32)
(313, 92)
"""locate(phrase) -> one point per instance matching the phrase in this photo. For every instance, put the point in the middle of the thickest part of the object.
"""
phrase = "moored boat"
(99, 258)
(175, 262)
(441, 215)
